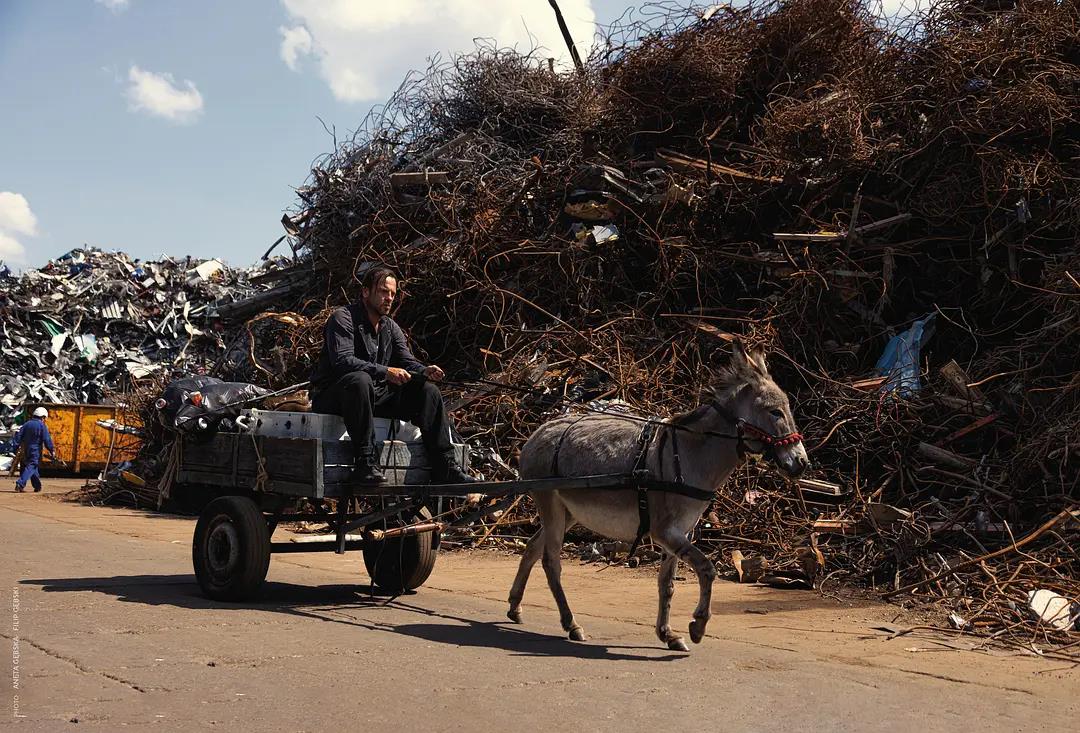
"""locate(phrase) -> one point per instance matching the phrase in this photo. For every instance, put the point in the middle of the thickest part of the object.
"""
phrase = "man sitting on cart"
(366, 370)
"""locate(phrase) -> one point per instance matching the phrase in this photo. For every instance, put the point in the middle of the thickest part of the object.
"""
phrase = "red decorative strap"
(790, 439)
(773, 440)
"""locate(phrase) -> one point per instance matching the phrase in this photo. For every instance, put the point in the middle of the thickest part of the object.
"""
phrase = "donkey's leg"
(552, 562)
(683, 549)
(533, 550)
(666, 583)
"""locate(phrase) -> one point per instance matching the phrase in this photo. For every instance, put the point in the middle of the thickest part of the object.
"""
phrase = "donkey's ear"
(745, 360)
(740, 360)
(757, 361)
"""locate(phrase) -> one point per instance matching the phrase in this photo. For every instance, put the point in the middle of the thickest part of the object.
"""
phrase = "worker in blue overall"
(32, 436)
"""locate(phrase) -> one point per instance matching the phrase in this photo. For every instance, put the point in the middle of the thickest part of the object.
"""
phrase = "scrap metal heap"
(91, 324)
(891, 209)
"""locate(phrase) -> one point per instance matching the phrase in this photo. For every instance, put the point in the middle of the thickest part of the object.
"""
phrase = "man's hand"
(397, 376)
(434, 373)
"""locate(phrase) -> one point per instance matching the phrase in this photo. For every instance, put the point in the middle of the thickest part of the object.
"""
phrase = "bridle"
(744, 428)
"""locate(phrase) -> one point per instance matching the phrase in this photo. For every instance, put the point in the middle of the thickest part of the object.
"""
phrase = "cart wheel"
(402, 563)
(231, 548)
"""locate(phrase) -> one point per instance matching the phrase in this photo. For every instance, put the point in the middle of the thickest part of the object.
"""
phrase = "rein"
(742, 427)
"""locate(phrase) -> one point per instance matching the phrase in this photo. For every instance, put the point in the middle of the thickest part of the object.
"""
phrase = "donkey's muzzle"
(793, 463)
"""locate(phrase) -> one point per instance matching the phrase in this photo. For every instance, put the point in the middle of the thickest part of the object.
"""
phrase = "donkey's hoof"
(577, 634)
(697, 631)
(514, 615)
(677, 645)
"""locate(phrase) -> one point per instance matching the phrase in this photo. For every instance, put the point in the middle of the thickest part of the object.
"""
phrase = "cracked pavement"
(112, 632)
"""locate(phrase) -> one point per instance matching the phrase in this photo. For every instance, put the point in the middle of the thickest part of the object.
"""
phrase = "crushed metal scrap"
(91, 323)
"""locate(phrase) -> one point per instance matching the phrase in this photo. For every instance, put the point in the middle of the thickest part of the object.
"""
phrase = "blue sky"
(104, 141)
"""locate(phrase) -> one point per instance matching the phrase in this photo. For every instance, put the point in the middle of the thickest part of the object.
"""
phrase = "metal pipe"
(567, 37)
(317, 538)
(331, 546)
(377, 535)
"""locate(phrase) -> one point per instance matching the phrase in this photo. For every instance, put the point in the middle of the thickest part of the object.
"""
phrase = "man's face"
(381, 297)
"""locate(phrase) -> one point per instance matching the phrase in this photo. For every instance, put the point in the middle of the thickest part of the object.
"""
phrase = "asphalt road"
(108, 629)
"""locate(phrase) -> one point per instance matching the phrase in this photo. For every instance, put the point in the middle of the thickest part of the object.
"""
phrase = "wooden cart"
(263, 481)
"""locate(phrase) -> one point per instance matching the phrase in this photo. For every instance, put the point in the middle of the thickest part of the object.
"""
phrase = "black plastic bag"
(204, 404)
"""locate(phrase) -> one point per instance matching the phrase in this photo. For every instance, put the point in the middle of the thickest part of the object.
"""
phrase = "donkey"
(745, 413)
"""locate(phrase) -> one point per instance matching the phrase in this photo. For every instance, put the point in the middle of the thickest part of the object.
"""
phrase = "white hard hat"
(40, 412)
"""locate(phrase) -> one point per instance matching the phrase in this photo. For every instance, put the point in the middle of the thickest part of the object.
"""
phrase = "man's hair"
(375, 276)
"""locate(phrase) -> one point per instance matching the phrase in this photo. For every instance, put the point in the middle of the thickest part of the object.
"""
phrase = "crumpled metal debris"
(91, 322)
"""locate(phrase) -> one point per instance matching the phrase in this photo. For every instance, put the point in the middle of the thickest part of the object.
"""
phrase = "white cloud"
(117, 6)
(158, 94)
(295, 42)
(11, 250)
(900, 10)
(16, 218)
(365, 47)
(15, 214)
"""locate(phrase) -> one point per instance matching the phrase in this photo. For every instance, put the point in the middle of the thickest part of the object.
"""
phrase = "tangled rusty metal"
(801, 174)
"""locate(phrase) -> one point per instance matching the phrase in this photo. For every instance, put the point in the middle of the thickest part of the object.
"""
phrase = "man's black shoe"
(366, 472)
(453, 473)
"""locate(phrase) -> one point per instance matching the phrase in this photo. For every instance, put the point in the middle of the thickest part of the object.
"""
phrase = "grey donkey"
(744, 413)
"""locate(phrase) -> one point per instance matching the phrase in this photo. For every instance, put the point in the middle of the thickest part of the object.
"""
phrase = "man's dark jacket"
(351, 344)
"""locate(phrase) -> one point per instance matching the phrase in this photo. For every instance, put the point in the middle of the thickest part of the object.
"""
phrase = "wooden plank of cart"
(282, 469)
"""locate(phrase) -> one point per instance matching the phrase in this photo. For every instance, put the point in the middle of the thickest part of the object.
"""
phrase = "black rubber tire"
(402, 563)
(231, 548)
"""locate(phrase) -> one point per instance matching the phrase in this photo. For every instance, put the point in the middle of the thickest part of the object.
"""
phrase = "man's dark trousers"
(359, 399)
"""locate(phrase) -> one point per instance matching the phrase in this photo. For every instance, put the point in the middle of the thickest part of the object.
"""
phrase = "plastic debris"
(1053, 608)
(204, 404)
(900, 360)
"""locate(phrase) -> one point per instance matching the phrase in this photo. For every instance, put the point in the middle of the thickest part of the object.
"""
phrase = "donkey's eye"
(776, 413)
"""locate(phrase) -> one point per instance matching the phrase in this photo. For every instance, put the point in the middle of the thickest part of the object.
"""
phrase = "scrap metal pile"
(801, 175)
(91, 324)
(891, 209)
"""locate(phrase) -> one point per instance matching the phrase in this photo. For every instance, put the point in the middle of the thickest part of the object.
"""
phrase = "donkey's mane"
(729, 382)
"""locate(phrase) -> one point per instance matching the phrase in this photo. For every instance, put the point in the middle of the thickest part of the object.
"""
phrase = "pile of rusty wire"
(802, 174)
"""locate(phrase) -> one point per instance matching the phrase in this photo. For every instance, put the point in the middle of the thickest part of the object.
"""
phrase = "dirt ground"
(108, 629)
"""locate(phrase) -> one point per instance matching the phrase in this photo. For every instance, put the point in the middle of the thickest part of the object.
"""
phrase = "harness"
(642, 482)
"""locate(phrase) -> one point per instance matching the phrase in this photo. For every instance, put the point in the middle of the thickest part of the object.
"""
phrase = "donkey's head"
(747, 395)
